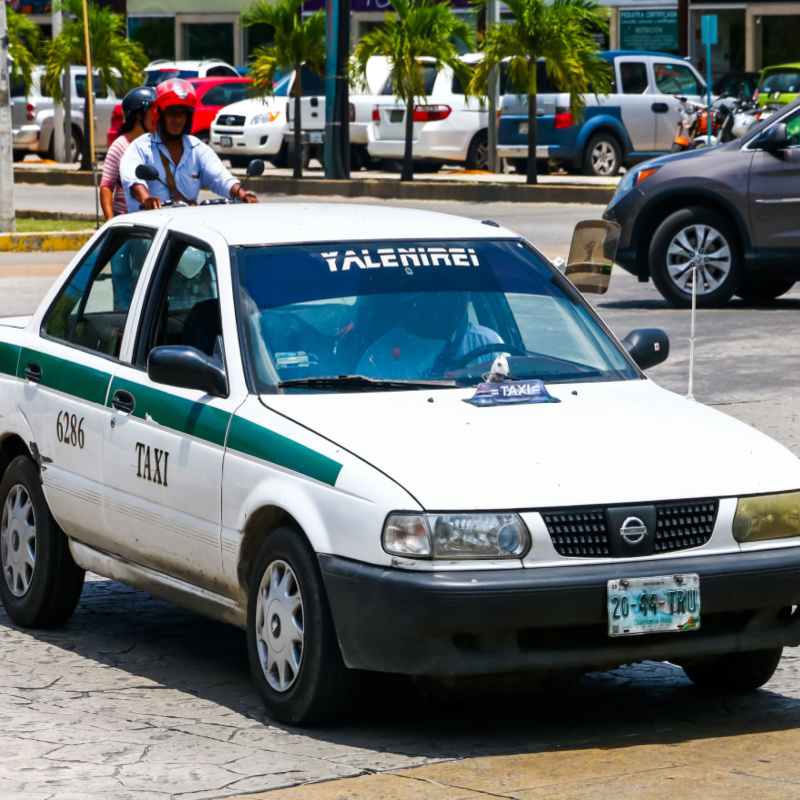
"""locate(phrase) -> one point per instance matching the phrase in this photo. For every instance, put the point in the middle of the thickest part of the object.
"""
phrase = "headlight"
(767, 516)
(633, 177)
(263, 119)
(456, 536)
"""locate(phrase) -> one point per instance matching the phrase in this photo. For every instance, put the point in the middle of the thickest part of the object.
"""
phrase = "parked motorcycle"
(694, 130)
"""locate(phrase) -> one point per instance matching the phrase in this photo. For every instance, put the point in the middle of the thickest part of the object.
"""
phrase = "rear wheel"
(734, 672)
(19, 155)
(602, 156)
(757, 287)
(204, 136)
(478, 155)
(41, 584)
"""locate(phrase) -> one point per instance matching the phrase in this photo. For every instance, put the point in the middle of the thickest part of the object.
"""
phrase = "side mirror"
(648, 347)
(255, 168)
(187, 368)
(591, 255)
(144, 172)
(774, 138)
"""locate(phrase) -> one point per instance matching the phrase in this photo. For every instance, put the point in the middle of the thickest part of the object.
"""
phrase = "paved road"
(135, 698)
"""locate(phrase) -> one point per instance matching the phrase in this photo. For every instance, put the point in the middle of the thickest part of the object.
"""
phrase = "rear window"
(225, 94)
(80, 87)
(221, 72)
(784, 81)
(17, 85)
(543, 83)
(428, 77)
(156, 76)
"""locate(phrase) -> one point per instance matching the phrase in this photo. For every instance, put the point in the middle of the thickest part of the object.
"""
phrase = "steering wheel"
(484, 349)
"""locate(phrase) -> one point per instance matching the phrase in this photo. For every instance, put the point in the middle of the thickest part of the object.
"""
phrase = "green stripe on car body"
(9, 356)
(254, 440)
(200, 420)
(66, 376)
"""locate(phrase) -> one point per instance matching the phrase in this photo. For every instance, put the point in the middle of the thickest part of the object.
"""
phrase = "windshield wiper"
(363, 383)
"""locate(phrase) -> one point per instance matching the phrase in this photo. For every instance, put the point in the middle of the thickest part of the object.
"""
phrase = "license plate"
(523, 128)
(665, 604)
(315, 137)
(396, 115)
(225, 141)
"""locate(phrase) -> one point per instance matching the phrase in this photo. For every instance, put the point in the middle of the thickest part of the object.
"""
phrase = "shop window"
(155, 34)
(208, 40)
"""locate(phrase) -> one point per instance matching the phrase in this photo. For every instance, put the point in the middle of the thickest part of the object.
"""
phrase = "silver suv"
(32, 115)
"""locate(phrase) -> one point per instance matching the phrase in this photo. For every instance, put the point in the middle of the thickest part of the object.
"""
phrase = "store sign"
(648, 29)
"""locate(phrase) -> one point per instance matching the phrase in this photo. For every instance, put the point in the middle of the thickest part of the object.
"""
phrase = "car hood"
(604, 443)
(720, 151)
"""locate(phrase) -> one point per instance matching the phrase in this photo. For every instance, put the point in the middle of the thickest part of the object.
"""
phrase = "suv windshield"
(414, 311)
(783, 81)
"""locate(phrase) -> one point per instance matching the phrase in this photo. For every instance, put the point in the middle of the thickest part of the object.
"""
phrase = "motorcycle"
(694, 130)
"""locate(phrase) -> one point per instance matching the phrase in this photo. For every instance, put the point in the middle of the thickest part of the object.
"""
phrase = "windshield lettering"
(402, 257)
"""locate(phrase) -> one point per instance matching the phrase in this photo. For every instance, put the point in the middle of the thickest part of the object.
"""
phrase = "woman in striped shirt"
(137, 111)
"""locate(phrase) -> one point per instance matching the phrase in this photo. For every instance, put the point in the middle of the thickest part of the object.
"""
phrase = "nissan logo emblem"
(633, 530)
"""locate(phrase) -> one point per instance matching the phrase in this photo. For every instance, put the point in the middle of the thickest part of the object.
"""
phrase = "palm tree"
(24, 43)
(297, 42)
(417, 29)
(558, 31)
(116, 61)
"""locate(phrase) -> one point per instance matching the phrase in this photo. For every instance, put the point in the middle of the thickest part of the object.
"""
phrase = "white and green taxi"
(381, 439)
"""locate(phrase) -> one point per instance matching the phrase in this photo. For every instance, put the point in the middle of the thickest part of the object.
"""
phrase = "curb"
(43, 242)
(388, 189)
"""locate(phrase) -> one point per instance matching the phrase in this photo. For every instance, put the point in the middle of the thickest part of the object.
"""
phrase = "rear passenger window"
(675, 79)
(428, 78)
(633, 77)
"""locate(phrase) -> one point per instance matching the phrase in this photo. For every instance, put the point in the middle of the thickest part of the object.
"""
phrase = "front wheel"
(734, 672)
(478, 155)
(41, 584)
(702, 239)
(602, 156)
(294, 653)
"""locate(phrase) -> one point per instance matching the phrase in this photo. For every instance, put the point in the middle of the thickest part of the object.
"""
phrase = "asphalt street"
(136, 698)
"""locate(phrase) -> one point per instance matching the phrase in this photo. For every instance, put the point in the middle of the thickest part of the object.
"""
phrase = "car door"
(672, 78)
(67, 365)
(163, 450)
(635, 98)
(774, 198)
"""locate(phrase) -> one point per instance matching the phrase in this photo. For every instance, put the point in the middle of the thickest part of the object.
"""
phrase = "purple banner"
(371, 5)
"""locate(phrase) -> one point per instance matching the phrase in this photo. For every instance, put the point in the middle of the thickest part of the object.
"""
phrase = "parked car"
(255, 128)
(735, 84)
(32, 115)
(634, 122)
(286, 429)
(449, 127)
(730, 211)
(779, 85)
(163, 69)
(213, 94)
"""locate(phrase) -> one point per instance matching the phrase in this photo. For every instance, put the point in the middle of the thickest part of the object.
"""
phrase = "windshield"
(784, 81)
(414, 311)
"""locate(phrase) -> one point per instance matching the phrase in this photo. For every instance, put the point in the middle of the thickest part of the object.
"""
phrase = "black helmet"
(137, 100)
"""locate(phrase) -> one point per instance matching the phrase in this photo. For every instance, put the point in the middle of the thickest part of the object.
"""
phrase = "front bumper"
(551, 618)
(434, 141)
(252, 140)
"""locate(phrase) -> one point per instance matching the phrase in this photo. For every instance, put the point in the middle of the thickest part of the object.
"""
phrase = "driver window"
(792, 122)
(675, 79)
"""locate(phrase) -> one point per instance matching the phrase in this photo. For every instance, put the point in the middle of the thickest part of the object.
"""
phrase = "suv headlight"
(634, 176)
(456, 536)
(767, 516)
(263, 119)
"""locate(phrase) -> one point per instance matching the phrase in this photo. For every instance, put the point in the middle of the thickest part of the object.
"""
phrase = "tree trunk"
(531, 172)
(86, 150)
(7, 213)
(408, 162)
(298, 123)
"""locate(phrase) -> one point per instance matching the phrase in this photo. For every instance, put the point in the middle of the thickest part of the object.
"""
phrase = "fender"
(609, 119)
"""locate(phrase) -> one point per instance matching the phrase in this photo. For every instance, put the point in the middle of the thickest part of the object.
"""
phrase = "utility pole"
(492, 17)
(7, 221)
(337, 102)
(58, 109)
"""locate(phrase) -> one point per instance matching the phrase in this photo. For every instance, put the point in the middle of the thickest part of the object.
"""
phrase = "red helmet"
(174, 93)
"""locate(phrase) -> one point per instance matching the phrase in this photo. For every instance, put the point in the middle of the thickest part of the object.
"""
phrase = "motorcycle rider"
(184, 163)
(138, 119)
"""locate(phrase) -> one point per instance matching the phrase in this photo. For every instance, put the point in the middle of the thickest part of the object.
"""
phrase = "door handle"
(660, 108)
(123, 401)
(33, 372)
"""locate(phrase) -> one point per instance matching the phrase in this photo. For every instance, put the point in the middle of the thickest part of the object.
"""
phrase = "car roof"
(793, 65)
(300, 223)
(185, 65)
(623, 53)
(206, 83)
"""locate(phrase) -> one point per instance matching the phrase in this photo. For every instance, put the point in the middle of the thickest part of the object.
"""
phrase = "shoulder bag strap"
(171, 185)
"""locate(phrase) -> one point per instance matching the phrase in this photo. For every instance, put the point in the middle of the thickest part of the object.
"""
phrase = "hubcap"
(604, 159)
(703, 247)
(280, 627)
(482, 156)
(18, 540)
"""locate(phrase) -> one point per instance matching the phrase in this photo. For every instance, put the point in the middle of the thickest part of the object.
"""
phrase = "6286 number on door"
(69, 430)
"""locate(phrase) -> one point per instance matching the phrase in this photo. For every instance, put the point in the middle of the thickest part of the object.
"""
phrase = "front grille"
(231, 121)
(578, 533)
(680, 526)
(584, 533)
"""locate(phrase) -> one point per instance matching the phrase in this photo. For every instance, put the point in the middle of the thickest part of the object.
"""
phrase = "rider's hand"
(151, 203)
(248, 197)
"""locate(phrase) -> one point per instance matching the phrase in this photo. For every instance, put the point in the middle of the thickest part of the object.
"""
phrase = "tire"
(602, 156)
(301, 678)
(281, 158)
(758, 288)
(75, 146)
(734, 672)
(677, 147)
(19, 155)
(678, 239)
(239, 162)
(40, 583)
(425, 167)
(478, 153)
(204, 136)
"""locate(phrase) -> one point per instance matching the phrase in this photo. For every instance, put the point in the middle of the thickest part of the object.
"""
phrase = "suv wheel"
(478, 155)
(294, 653)
(734, 672)
(40, 583)
(757, 287)
(702, 238)
(602, 157)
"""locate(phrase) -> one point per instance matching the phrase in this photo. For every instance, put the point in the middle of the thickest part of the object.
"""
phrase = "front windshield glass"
(783, 81)
(414, 311)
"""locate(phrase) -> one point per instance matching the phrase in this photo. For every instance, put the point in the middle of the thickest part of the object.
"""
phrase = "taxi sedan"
(381, 439)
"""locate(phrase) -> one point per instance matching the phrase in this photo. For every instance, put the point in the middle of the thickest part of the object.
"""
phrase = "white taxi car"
(278, 416)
